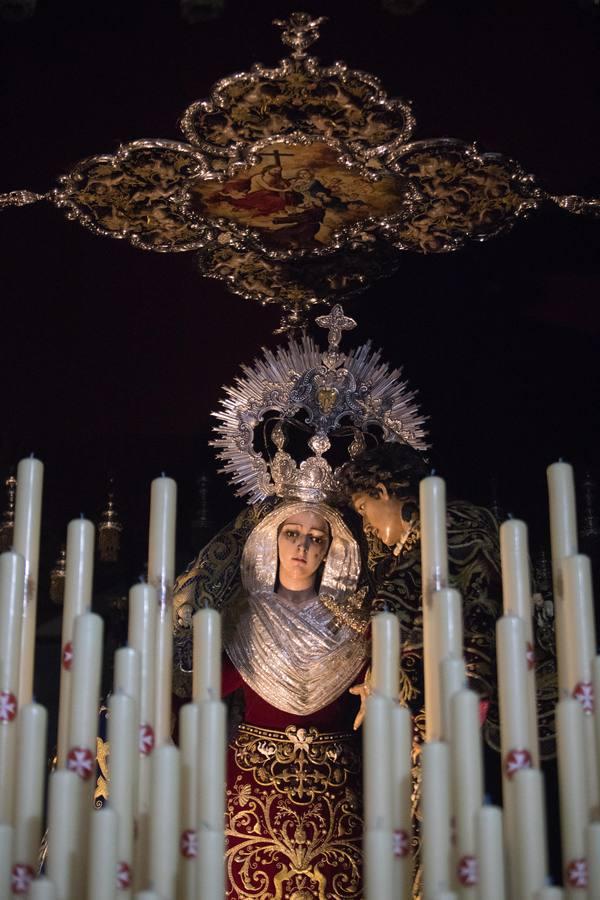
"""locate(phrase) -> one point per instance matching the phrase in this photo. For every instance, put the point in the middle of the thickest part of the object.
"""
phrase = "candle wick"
(162, 475)
(509, 515)
(560, 459)
(432, 472)
(32, 455)
(487, 800)
(81, 516)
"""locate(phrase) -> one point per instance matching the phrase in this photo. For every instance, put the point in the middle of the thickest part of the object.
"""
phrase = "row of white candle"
(174, 796)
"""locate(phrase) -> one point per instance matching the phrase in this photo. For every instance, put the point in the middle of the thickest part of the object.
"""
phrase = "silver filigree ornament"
(299, 184)
(330, 393)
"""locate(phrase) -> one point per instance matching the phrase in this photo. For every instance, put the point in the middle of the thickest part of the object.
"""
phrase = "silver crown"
(340, 394)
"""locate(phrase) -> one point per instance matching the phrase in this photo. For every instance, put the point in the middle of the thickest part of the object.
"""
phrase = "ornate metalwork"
(330, 394)
(299, 184)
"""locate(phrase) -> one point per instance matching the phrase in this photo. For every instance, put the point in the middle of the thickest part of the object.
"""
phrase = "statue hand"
(361, 690)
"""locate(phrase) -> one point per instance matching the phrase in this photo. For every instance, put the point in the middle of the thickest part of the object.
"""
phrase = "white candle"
(102, 879)
(26, 541)
(435, 828)
(127, 673)
(516, 591)
(401, 725)
(161, 573)
(514, 724)
(206, 678)
(378, 866)
(211, 865)
(6, 845)
(447, 609)
(574, 811)
(385, 674)
(593, 858)
(63, 834)
(79, 570)
(12, 575)
(123, 741)
(164, 822)
(532, 851)
(188, 742)
(489, 850)
(467, 781)
(83, 720)
(8, 755)
(453, 678)
(12, 585)
(580, 650)
(212, 723)
(377, 764)
(563, 539)
(143, 607)
(42, 889)
(596, 683)
(30, 784)
(434, 569)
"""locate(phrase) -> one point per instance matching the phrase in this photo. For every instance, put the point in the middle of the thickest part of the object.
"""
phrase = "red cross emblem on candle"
(67, 656)
(21, 878)
(467, 870)
(530, 655)
(401, 844)
(189, 844)
(584, 692)
(8, 706)
(123, 876)
(515, 760)
(146, 740)
(81, 761)
(577, 873)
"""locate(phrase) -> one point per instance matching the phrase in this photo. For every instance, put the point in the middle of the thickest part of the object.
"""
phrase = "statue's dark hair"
(398, 466)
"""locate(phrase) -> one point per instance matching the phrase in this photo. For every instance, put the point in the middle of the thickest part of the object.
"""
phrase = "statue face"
(302, 543)
(382, 515)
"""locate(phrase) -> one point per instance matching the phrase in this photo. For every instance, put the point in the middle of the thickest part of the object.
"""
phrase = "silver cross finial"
(300, 31)
(335, 322)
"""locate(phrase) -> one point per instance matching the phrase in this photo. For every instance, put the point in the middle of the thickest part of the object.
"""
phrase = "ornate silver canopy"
(299, 184)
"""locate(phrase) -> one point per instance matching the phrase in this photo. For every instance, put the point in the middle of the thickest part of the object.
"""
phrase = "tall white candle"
(211, 865)
(453, 678)
(377, 764)
(593, 857)
(212, 716)
(164, 822)
(79, 570)
(401, 726)
(596, 683)
(127, 673)
(206, 678)
(434, 569)
(188, 848)
(42, 889)
(466, 760)
(378, 866)
(516, 591)
(532, 851)
(6, 845)
(123, 741)
(12, 580)
(12, 585)
(580, 650)
(489, 850)
(26, 541)
(143, 609)
(161, 573)
(514, 724)
(385, 672)
(435, 828)
(563, 539)
(64, 847)
(574, 810)
(87, 661)
(30, 783)
(102, 879)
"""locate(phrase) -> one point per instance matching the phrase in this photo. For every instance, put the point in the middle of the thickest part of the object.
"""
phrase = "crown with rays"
(328, 393)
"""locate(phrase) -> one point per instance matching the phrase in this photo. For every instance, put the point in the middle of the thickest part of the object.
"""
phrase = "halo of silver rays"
(285, 381)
